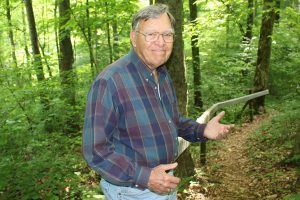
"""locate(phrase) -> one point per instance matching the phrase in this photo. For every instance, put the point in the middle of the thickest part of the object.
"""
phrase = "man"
(132, 120)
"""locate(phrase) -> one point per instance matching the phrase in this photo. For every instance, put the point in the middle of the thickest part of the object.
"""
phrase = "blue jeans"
(115, 192)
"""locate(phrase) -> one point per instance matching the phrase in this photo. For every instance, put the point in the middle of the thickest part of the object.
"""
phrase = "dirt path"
(230, 175)
(233, 179)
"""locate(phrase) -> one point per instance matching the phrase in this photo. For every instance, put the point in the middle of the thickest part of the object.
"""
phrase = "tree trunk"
(67, 74)
(228, 13)
(96, 39)
(108, 36)
(89, 40)
(37, 63)
(28, 59)
(264, 54)
(176, 69)
(11, 35)
(116, 40)
(56, 28)
(34, 41)
(195, 59)
(176, 64)
(277, 12)
(250, 19)
(45, 41)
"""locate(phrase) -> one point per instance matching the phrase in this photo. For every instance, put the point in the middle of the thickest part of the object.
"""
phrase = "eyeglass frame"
(157, 36)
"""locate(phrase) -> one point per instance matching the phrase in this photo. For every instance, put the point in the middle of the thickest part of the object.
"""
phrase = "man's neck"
(155, 74)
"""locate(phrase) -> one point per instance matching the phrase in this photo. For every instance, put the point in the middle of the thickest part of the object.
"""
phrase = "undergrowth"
(40, 166)
(274, 147)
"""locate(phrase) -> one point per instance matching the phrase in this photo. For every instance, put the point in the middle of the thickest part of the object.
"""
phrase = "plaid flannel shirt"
(132, 124)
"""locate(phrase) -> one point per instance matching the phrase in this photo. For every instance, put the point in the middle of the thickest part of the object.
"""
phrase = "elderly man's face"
(157, 52)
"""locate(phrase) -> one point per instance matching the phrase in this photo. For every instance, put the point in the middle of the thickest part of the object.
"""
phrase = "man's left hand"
(214, 130)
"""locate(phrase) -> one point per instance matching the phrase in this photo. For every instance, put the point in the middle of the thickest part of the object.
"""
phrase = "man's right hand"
(162, 182)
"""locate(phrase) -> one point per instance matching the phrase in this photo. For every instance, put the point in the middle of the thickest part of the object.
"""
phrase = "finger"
(172, 180)
(169, 190)
(220, 115)
(228, 127)
(167, 167)
(173, 185)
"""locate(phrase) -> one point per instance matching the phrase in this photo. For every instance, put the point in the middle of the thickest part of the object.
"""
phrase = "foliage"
(285, 73)
(38, 166)
(39, 162)
(274, 142)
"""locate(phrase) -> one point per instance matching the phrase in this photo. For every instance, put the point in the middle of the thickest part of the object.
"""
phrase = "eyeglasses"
(152, 37)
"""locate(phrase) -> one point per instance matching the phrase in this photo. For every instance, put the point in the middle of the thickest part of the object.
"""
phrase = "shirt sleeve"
(100, 125)
(191, 130)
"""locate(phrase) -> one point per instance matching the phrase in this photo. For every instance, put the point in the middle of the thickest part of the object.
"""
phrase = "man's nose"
(160, 40)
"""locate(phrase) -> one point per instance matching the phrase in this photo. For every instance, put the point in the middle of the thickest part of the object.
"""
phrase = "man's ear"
(132, 38)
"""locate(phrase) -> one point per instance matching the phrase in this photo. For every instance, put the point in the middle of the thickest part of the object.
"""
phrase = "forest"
(51, 51)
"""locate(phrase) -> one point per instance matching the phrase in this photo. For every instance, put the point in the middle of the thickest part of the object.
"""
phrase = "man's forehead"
(156, 24)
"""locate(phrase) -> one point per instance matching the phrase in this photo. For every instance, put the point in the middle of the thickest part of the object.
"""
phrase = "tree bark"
(96, 39)
(116, 40)
(37, 63)
(89, 40)
(110, 50)
(176, 64)
(195, 59)
(176, 69)
(11, 35)
(264, 54)
(67, 74)
(34, 41)
(28, 59)
(277, 12)
(250, 20)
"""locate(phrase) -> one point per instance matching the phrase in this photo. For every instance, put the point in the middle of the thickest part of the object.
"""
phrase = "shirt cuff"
(142, 177)
(199, 133)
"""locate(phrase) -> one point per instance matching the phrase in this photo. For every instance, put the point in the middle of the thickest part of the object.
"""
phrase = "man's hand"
(162, 182)
(215, 130)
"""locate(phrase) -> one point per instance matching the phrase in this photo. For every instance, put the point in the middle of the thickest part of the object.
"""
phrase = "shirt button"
(147, 80)
(155, 88)
(170, 121)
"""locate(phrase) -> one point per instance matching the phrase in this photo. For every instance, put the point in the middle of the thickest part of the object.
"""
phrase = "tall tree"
(250, 19)
(34, 41)
(85, 24)
(45, 39)
(116, 39)
(176, 69)
(24, 30)
(195, 57)
(11, 34)
(264, 53)
(89, 39)
(277, 11)
(176, 64)
(37, 62)
(67, 74)
(110, 50)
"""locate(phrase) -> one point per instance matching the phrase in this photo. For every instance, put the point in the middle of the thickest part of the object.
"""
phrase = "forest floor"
(233, 172)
